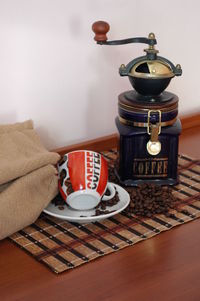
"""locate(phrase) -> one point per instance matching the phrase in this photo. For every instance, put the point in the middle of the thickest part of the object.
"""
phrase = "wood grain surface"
(166, 267)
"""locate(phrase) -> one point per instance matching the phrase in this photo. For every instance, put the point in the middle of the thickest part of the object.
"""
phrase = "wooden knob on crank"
(100, 29)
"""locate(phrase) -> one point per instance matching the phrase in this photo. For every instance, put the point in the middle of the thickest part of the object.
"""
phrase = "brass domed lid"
(151, 69)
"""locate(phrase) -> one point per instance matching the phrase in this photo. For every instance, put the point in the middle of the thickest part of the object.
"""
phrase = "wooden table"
(166, 267)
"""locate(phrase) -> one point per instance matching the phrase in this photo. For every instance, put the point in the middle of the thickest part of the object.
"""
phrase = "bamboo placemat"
(62, 245)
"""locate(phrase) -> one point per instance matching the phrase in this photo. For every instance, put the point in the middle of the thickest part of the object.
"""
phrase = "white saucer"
(87, 216)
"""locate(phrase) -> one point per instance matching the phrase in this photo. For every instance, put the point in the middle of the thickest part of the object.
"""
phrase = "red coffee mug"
(87, 172)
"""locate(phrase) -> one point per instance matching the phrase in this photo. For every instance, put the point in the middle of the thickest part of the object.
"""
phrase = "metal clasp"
(158, 124)
(153, 145)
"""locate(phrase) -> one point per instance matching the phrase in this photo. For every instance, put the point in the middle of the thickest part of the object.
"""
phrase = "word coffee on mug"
(83, 179)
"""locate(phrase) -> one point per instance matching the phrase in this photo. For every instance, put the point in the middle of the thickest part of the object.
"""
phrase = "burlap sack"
(28, 179)
(21, 151)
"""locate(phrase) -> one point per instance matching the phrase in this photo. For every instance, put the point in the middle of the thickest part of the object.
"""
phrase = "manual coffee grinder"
(147, 123)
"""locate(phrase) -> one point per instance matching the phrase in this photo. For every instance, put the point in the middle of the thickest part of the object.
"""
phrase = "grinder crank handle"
(100, 28)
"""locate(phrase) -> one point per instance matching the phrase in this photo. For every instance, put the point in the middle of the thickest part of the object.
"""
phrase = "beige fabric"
(28, 179)
(24, 199)
(21, 151)
(19, 126)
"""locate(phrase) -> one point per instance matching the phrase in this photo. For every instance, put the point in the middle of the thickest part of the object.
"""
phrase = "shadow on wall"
(44, 135)
(103, 92)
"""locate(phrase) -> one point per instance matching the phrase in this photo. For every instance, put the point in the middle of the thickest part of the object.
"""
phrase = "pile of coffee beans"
(146, 200)
(103, 205)
(150, 199)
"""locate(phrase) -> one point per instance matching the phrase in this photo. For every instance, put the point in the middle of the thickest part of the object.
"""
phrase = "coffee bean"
(101, 212)
(62, 175)
(61, 207)
(58, 201)
(103, 205)
(98, 212)
(69, 186)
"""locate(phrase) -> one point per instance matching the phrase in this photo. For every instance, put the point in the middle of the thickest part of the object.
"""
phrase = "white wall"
(52, 71)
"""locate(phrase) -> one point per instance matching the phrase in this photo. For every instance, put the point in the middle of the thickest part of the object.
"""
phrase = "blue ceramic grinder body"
(148, 123)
